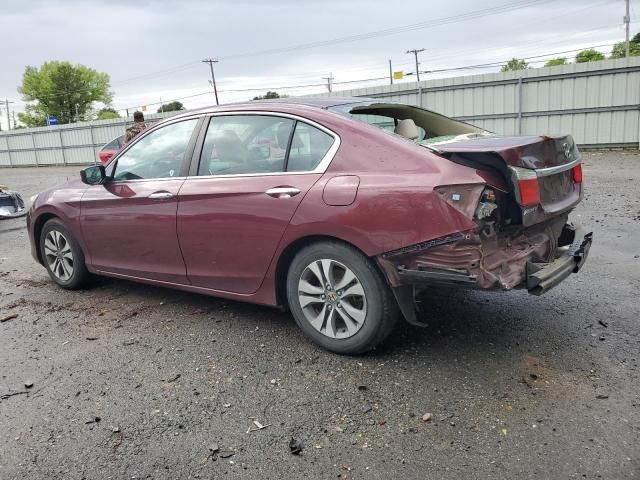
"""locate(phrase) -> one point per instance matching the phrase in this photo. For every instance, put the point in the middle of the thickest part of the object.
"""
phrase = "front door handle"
(161, 196)
(282, 192)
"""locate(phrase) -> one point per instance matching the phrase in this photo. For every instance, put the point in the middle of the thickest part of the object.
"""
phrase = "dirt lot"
(133, 381)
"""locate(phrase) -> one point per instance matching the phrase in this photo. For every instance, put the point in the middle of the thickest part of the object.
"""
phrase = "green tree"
(269, 95)
(61, 89)
(171, 107)
(556, 61)
(589, 55)
(636, 38)
(107, 114)
(620, 50)
(513, 65)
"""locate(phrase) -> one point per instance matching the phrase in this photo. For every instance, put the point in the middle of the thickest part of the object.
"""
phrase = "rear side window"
(309, 146)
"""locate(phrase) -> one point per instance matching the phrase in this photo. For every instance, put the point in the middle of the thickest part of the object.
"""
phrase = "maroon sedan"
(338, 208)
(107, 152)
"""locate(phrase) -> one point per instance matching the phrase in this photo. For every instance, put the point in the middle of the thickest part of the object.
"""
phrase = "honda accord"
(338, 209)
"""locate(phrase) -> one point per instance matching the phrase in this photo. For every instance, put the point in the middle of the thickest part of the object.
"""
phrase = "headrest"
(407, 128)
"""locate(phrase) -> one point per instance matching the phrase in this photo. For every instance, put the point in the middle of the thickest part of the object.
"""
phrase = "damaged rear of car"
(11, 204)
(522, 237)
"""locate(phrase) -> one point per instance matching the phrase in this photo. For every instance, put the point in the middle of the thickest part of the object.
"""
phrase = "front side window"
(158, 154)
(241, 144)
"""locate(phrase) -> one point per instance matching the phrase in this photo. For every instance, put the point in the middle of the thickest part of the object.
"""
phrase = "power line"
(420, 25)
(363, 80)
(427, 24)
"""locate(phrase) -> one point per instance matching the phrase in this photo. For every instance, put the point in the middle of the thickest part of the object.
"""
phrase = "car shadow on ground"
(456, 320)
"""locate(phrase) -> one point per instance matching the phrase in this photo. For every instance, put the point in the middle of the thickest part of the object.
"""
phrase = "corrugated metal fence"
(73, 144)
(598, 102)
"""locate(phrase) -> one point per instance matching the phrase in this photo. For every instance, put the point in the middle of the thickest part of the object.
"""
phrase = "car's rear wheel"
(62, 256)
(339, 299)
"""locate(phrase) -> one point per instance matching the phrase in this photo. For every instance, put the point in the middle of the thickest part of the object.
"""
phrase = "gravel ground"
(134, 381)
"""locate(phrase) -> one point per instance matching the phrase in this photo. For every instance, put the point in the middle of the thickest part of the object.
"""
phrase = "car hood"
(69, 191)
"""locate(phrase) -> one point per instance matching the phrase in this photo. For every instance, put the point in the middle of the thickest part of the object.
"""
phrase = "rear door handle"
(282, 192)
(161, 196)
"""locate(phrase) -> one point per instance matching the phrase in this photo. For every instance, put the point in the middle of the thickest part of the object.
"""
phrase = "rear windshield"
(422, 126)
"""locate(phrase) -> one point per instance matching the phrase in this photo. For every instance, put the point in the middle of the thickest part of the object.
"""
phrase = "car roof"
(318, 102)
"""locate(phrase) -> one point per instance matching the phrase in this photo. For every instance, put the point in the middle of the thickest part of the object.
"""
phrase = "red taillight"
(577, 173)
(529, 191)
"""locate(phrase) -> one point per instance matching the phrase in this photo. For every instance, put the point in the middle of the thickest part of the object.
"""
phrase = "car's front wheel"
(339, 299)
(62, 256)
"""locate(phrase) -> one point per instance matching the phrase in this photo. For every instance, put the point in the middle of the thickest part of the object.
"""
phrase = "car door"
(129, 223)
(250, 175)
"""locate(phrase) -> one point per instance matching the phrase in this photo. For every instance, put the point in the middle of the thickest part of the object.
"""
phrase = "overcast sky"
(152, 48)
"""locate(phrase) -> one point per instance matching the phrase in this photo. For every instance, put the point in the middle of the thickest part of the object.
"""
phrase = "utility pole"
(329, 80)
(211, 61)
(13, 114)
(626, 27)
(415, 53)
(390, 72)
(6, 104)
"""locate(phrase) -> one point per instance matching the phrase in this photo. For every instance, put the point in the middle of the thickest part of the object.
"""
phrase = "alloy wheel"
(332, 298)
(58, 254)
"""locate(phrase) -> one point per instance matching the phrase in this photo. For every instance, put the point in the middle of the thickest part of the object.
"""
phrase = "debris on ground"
(8, 395)
(366, 408)
(215, 452)
(295, 446)
(602, 396)
(6, 318)
(426, 417)
(92, 338)
(28, 384)
(603, 323)
(174, 378)
(258, 425)
(93, 420)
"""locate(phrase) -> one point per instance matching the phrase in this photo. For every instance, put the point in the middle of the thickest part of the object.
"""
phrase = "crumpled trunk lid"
(543, 173)
(532, 152)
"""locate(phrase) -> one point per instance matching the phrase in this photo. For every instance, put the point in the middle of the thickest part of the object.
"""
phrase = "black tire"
(381, 307)
(79, 276)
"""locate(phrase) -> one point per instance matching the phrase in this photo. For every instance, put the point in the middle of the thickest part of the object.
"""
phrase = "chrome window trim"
(138, 180)
(545, 172)
(320, 169)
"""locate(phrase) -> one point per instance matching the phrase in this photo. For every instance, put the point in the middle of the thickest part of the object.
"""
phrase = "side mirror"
(93, 175)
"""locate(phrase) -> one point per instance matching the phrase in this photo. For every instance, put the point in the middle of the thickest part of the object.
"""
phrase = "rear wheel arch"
(290, 251)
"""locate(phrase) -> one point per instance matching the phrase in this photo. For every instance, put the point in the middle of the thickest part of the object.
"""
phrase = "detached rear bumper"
(541, 277)
(11, 204)
(536, 258)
